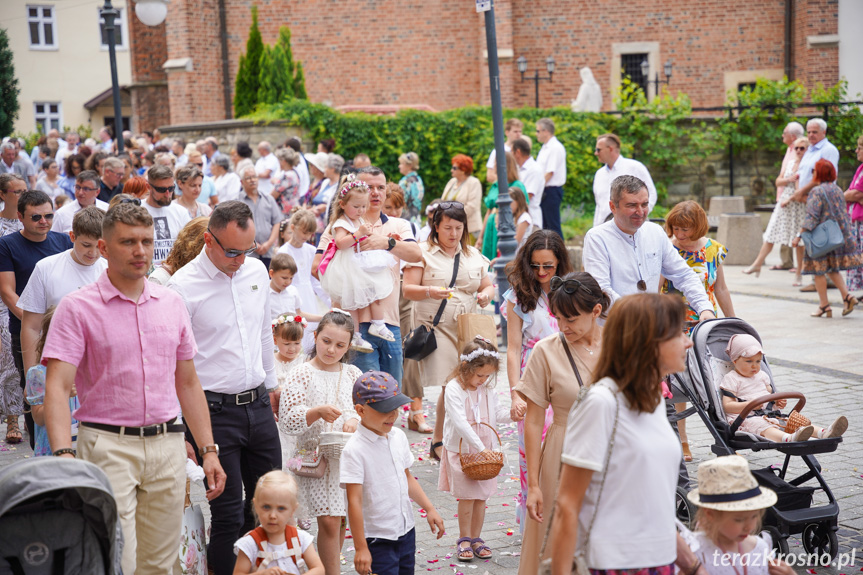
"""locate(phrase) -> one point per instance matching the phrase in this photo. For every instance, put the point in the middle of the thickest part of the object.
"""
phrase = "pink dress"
(747, 389)
(452, 478)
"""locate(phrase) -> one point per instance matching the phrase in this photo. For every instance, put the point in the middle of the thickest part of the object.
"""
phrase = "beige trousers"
(148, 478)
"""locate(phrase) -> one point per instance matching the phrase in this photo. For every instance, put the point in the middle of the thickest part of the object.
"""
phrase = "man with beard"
(170, 218)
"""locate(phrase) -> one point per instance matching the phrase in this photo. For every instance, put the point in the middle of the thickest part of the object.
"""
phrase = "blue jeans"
(393, 557)
(387, 355)
(552, 197)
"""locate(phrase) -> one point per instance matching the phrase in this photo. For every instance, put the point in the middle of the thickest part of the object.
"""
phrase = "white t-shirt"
(531, 175)
(64, 216)
(552, 158)
(525, 217)
(492, 158)
(637, 504)
(270, 162)
(248, 546)
(167, 221)
(56, 276)
(228, 187)
(288, 301)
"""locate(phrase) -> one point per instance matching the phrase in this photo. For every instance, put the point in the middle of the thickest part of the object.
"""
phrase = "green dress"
(489, 235)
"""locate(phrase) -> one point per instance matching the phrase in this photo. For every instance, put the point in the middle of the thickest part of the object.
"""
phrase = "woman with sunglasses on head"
(464, 187)
(559, 365)
(529, 319)
(787, 216)
(427, 284)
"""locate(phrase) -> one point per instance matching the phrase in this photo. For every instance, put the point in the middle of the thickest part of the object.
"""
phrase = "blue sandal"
(478, 546)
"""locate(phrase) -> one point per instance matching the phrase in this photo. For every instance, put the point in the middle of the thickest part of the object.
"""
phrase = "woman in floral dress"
(11, 395)
(529, 320)
(854, 199)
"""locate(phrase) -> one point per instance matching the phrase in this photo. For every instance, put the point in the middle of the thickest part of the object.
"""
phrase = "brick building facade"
(432, 52)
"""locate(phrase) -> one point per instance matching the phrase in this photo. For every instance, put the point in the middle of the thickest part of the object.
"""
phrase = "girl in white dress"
(318, 399)
(730, 509)
(356, 280)
(520, 215)
(288, 336)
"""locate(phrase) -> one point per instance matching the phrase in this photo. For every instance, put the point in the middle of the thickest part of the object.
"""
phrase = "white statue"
(589, 97)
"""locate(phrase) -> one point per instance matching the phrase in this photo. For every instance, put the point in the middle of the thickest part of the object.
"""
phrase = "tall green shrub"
(248, 74)
(8, 87)
(279, 77)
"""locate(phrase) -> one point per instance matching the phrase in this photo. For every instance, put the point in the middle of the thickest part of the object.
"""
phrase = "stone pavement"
(819, 357)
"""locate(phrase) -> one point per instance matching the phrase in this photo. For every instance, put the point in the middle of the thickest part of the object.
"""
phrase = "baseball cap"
(380, 391)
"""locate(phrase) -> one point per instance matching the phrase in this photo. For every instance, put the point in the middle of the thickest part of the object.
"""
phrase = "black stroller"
(793, 512)
(58, 516)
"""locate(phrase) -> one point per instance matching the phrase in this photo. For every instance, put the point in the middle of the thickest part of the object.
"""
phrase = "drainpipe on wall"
(226, 85)
(789, 39)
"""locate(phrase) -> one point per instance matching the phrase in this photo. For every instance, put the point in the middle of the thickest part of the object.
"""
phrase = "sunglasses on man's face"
(234, 253)
(38, 217)
(162, 189)
(569, 286)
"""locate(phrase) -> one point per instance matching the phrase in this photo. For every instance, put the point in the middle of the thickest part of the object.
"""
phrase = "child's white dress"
(718, 562)
(312, 296)
(355, 279)
(279, 553)
(310, 387)
(289, 442)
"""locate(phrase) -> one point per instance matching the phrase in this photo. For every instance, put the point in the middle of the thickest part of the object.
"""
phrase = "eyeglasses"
(233, 253)
(38, 217)
(83, 189)
(544, 266)
(800, 148)
(135, 201)
(448, 205)
(162, 189)
(454, 168)
(569, 286)
(250, 179)
(118, 174)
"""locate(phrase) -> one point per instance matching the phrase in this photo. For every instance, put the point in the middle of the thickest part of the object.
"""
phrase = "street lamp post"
(521, 63)
(109, 14)
(645, 71)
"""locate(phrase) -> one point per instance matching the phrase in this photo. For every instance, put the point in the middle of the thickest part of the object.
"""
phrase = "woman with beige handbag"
(615, 504)
(450, 271)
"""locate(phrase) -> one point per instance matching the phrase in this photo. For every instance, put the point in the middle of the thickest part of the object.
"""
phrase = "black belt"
(148, 431)
(243, 398)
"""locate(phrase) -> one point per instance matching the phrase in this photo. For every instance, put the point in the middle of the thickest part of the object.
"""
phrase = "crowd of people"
(271, 319)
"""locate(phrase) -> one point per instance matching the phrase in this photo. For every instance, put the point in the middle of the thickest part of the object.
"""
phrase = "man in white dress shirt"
(87, 187)
(266, 167)
(530, 174)
(552, 160)
(226, 295)
(628, 254)
(512, 130)
(608, 152)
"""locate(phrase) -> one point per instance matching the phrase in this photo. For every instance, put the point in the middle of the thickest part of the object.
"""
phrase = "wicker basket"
(332, 443)
(795, 421)
(478, 466)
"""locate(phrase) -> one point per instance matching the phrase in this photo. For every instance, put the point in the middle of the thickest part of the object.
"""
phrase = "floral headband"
(285, 318)
(351, 182)
(480, 351)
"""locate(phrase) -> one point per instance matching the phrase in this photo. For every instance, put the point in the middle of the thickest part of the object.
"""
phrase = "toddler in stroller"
(747, 382)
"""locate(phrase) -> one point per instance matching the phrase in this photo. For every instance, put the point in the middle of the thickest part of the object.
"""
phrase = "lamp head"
(151, 12)
(549, 64)
(521, 63)
(667, 69)
(645, 68)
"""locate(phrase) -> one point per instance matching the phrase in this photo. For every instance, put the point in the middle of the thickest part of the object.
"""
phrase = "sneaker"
(837, 428)
(361, 345)
(803, 433)
(382, 332)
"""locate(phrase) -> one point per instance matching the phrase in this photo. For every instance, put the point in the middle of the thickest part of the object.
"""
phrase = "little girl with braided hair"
(352, 278)
(469, 400)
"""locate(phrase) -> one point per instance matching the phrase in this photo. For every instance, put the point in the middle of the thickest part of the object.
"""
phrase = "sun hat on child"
(726, 484)
(742, 345)
(380, 391)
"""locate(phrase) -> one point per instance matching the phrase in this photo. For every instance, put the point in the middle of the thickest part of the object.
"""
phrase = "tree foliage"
(8, 87)
(248, 75)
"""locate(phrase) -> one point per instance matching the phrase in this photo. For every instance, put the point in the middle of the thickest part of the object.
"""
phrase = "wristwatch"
(213, 448)
(392, 244)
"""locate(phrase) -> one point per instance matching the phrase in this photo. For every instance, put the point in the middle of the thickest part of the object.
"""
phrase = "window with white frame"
(42, 26)
(49, 116)
(119, 31)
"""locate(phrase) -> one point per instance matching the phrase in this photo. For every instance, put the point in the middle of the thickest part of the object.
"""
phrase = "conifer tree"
(248, 74)
(8, 87)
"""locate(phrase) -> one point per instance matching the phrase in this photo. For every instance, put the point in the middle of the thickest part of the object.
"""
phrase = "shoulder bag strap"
(439, 313)
(571, 360)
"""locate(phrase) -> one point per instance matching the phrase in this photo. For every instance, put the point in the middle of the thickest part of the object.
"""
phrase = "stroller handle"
(766, 399)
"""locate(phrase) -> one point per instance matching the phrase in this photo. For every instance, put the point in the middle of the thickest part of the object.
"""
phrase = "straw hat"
(726, 484)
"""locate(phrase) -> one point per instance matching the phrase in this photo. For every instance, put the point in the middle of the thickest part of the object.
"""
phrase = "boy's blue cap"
(380, 391)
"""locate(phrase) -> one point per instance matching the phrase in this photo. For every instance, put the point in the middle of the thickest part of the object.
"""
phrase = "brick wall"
(403, 52)
(149, 89)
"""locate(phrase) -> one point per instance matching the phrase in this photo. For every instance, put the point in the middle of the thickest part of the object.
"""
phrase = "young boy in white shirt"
(285, 298)
(375, 471)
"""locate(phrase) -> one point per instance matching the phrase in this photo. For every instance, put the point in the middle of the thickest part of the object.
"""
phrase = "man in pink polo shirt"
(127, 346)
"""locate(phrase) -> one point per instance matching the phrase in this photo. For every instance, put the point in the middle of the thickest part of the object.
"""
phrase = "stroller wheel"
(780, 543)
(820, 539)
(684, 509)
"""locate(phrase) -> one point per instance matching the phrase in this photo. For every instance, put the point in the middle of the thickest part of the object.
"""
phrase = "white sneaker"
(803, 433)
(361, 345)
(381, 332)
(837, 428)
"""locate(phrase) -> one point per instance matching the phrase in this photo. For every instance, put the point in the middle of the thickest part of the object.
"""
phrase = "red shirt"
(126, 352)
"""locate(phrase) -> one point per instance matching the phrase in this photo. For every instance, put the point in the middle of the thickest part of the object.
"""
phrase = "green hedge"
(665, 138)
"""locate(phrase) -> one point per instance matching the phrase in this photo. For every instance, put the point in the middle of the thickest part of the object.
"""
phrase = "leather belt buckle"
(246, 397)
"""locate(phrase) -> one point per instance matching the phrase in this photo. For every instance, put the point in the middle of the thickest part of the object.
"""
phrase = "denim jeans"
(249, 447)
(393, 557)
(387, 355)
